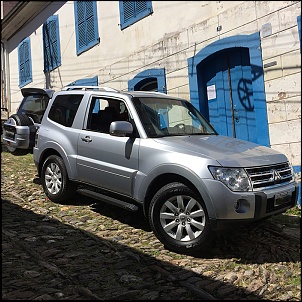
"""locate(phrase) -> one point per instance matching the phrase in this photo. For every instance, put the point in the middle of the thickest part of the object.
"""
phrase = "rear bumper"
(20, 137)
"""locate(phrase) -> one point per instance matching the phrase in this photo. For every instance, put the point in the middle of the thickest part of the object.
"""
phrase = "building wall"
(176, 31)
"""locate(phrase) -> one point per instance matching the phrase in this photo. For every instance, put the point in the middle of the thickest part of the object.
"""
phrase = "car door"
(104, 160)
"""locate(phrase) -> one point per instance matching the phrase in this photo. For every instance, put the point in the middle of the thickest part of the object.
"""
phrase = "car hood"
(227, 151)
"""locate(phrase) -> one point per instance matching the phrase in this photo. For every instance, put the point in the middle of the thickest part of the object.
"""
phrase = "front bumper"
(232, 208)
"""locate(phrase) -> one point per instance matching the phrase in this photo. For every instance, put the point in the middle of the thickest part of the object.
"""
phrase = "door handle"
(86, 139)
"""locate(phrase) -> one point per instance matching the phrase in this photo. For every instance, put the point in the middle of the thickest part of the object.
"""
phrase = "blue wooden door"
(230, 105)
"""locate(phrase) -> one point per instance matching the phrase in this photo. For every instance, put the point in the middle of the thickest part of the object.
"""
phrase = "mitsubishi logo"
(277, 175)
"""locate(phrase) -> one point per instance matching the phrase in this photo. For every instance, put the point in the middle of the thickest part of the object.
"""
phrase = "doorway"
(228, 100)
(227, 86)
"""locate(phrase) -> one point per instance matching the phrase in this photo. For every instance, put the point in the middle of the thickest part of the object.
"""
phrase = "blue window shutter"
(81, 40)
(129, 10)
(86, 25)
(46, 48)
(140, 7)
(55, 39)
(21, 64)
(25, 70)
(51, 44)
(133, 11)
(90, 21)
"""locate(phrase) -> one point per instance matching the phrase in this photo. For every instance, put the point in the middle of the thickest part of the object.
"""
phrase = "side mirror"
(120, 128)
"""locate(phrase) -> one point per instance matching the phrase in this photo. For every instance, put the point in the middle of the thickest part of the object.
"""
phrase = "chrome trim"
(272, 176)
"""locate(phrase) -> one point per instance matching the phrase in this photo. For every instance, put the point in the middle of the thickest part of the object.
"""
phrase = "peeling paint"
(281, 95)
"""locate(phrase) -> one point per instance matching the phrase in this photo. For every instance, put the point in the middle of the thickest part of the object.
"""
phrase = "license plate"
(282, 198)
(10, 135)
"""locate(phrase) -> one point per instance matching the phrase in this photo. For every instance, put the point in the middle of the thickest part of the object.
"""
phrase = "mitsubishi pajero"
(150, 150)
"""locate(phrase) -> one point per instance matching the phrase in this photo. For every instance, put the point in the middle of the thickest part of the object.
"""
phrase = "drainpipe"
(3, 76)
(5, 95)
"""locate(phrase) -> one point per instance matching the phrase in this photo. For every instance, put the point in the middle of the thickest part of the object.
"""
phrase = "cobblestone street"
(85, 250)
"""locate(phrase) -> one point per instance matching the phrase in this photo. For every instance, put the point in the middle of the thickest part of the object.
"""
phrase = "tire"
(20, 120)
(179, 219)
(55, 181)
(34, 118)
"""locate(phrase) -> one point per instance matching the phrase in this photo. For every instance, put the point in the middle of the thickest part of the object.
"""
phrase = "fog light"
(241, 206)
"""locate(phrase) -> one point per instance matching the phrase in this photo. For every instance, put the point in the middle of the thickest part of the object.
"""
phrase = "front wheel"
(179, 219)
(55, 181)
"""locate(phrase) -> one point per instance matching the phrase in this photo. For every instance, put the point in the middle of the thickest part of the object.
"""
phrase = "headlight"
(235, 179)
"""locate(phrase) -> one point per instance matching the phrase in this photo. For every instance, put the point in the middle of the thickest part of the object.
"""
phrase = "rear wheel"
(19, 120)
(179, 219)
(55, 181)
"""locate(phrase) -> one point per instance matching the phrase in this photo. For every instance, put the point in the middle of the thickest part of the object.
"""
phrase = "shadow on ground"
(43, 258)
(259, 242)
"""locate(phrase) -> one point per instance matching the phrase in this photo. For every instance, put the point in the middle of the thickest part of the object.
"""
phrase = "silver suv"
(150, 150)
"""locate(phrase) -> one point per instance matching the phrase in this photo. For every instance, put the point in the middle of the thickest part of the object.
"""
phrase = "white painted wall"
(176, 31)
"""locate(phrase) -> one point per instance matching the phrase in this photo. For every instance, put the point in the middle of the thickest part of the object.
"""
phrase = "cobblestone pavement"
(84, 250)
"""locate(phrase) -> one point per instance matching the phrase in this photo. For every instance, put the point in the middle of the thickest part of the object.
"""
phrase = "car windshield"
(171, 117)
(34, 106)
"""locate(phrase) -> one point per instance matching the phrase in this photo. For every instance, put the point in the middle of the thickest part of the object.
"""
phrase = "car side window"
(104, 111)
(64, 109)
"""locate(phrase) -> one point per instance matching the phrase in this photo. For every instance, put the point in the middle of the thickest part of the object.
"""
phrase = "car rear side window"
(64, 109)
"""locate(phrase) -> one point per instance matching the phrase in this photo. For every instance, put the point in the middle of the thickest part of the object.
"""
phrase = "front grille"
(270, 176)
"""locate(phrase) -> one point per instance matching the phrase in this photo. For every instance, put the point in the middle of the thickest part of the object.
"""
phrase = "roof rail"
(151, 92)
(103, 88)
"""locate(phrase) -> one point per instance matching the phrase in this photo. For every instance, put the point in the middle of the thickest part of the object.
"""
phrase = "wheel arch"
(163, 175)
(43, 157)
(55, 151)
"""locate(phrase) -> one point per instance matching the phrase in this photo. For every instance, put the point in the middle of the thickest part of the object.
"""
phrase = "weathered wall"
(176, 31)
